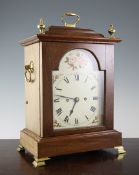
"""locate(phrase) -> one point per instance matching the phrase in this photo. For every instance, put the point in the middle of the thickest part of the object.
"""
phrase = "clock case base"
(62, 145)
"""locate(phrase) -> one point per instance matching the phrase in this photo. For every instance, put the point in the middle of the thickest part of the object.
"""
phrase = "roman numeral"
(77, 77)
(66, 119)
(58, 89)
(76, 121)
(93, 87)
(59, 111)
(92, 108)
(66, 80)
(56, 100)
(86, 117)
(95, 98)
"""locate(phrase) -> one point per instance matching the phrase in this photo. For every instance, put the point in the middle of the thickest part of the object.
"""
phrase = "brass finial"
(112, 31)
(41, 26)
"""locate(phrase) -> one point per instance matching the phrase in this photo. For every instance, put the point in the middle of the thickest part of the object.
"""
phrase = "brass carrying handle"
(29, 70)
(70, 15)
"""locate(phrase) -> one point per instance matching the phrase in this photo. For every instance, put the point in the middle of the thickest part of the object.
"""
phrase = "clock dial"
(76, 100)
(77, 91)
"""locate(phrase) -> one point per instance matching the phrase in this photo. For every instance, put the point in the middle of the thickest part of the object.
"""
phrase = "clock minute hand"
(64, 97)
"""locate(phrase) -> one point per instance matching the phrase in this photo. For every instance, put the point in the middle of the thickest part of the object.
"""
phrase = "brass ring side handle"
(29, 72)
(70, 15)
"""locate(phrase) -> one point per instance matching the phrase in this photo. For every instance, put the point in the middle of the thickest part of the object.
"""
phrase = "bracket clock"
(69, 91)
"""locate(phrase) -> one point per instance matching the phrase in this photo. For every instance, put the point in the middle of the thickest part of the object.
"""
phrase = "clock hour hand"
(71, 111)
(75, 101)
(64, 97)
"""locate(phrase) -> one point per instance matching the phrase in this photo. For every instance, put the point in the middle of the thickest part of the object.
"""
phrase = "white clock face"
(76, 98)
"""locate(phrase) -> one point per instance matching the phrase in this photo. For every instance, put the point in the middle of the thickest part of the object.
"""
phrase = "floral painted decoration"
(76, 62)
(56, 124)
(55, 77)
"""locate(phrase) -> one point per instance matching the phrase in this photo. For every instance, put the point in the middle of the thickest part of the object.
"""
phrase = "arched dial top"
(78, 59)
(78, 88)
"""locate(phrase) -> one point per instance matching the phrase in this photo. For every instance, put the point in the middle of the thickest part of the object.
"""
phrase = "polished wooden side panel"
(109, 93)
(41, 90)
(32, 90)
(60, 145)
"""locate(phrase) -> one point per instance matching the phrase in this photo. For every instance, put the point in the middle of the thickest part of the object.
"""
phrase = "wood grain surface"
(62, 145)
(32, 90)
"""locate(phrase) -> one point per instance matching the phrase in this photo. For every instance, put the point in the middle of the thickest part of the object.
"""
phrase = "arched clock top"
(78, 60)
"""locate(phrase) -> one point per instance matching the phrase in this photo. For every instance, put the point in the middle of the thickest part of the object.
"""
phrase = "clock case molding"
(46, 51)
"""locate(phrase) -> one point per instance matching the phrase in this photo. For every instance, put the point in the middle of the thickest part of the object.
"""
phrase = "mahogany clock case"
(52, 46)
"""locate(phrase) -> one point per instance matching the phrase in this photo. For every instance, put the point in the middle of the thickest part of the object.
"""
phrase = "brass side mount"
(29, 72)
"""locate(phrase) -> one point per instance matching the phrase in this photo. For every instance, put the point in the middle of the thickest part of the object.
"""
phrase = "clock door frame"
(52, 52)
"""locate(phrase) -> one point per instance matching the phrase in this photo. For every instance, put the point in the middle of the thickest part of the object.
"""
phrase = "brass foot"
(121, 156)
(20, 148)
(40, 162)
(120, 149)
